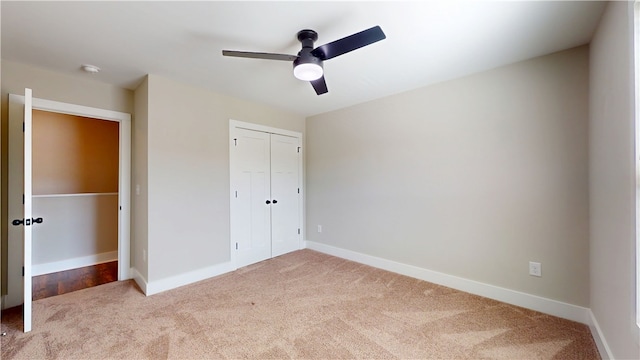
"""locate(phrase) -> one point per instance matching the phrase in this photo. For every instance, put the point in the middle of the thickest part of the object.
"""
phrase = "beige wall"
(52, 86)
(188, 173)
(139, 196)
(75, 227)
(612, 182)
(74, 154)
(473, 177)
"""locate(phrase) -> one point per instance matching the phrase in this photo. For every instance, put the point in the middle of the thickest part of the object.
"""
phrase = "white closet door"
(285, 210)
(251, 228)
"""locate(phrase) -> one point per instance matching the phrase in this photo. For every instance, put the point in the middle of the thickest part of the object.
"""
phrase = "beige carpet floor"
(303, 305)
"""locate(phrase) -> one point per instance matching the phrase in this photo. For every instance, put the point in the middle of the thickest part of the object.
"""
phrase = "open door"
(24, 223)
(27, 220)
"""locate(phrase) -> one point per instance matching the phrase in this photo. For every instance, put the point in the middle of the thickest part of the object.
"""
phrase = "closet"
(266, 194)
(75, 189)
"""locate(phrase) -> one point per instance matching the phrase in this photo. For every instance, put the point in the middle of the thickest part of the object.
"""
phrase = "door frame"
(124, 181)
(235, 124)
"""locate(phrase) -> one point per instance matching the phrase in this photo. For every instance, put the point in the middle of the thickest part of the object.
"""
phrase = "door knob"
(28, 222)
(268, 202)
(275, 201)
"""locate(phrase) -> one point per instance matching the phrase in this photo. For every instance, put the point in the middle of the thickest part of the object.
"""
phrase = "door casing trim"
(124, 181)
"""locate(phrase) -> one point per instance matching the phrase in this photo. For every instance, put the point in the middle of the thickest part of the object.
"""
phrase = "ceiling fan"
(307, 65)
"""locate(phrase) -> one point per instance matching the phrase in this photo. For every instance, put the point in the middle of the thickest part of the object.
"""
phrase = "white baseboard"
(533, 302)
(173, 282)
(47, 268)
(139, 279)
(598, 337)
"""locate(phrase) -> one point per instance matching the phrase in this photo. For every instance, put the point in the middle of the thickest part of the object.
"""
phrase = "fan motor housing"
(305, 57)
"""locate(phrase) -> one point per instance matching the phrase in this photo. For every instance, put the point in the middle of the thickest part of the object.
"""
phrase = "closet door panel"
(284, 193)
(252, 226)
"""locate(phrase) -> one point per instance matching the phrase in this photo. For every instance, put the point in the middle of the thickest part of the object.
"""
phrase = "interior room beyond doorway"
(75, 188)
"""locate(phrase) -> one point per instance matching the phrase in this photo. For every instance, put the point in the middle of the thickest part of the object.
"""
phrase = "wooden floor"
(62, 282)
(72, 280)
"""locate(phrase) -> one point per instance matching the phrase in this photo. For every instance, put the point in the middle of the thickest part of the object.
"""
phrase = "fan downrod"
(307, 37)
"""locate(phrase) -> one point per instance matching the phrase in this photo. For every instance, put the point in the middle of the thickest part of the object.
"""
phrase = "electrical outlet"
(535, 268)
(319, 228)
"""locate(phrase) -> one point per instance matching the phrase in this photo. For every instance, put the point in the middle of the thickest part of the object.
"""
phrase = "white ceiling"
(427, 42)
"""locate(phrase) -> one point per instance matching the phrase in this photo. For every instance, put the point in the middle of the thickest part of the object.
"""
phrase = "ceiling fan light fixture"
(308, 71)
(307, 65)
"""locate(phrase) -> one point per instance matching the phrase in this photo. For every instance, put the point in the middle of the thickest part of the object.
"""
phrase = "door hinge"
(23, 126)
(236, 246)
(235, 142)
(23, 271)
(22, 199)
(298, 190)
(299, 148)
(298, 231)
(236, 194)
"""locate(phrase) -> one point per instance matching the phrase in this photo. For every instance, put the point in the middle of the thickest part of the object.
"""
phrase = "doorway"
(118, 201)
(75, 187)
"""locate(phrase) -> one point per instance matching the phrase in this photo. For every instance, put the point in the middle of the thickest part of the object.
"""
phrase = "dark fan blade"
(349, 43)
(320, 86)
(259, 55)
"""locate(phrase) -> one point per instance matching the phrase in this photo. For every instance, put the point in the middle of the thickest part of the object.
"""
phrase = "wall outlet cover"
(535, 268)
